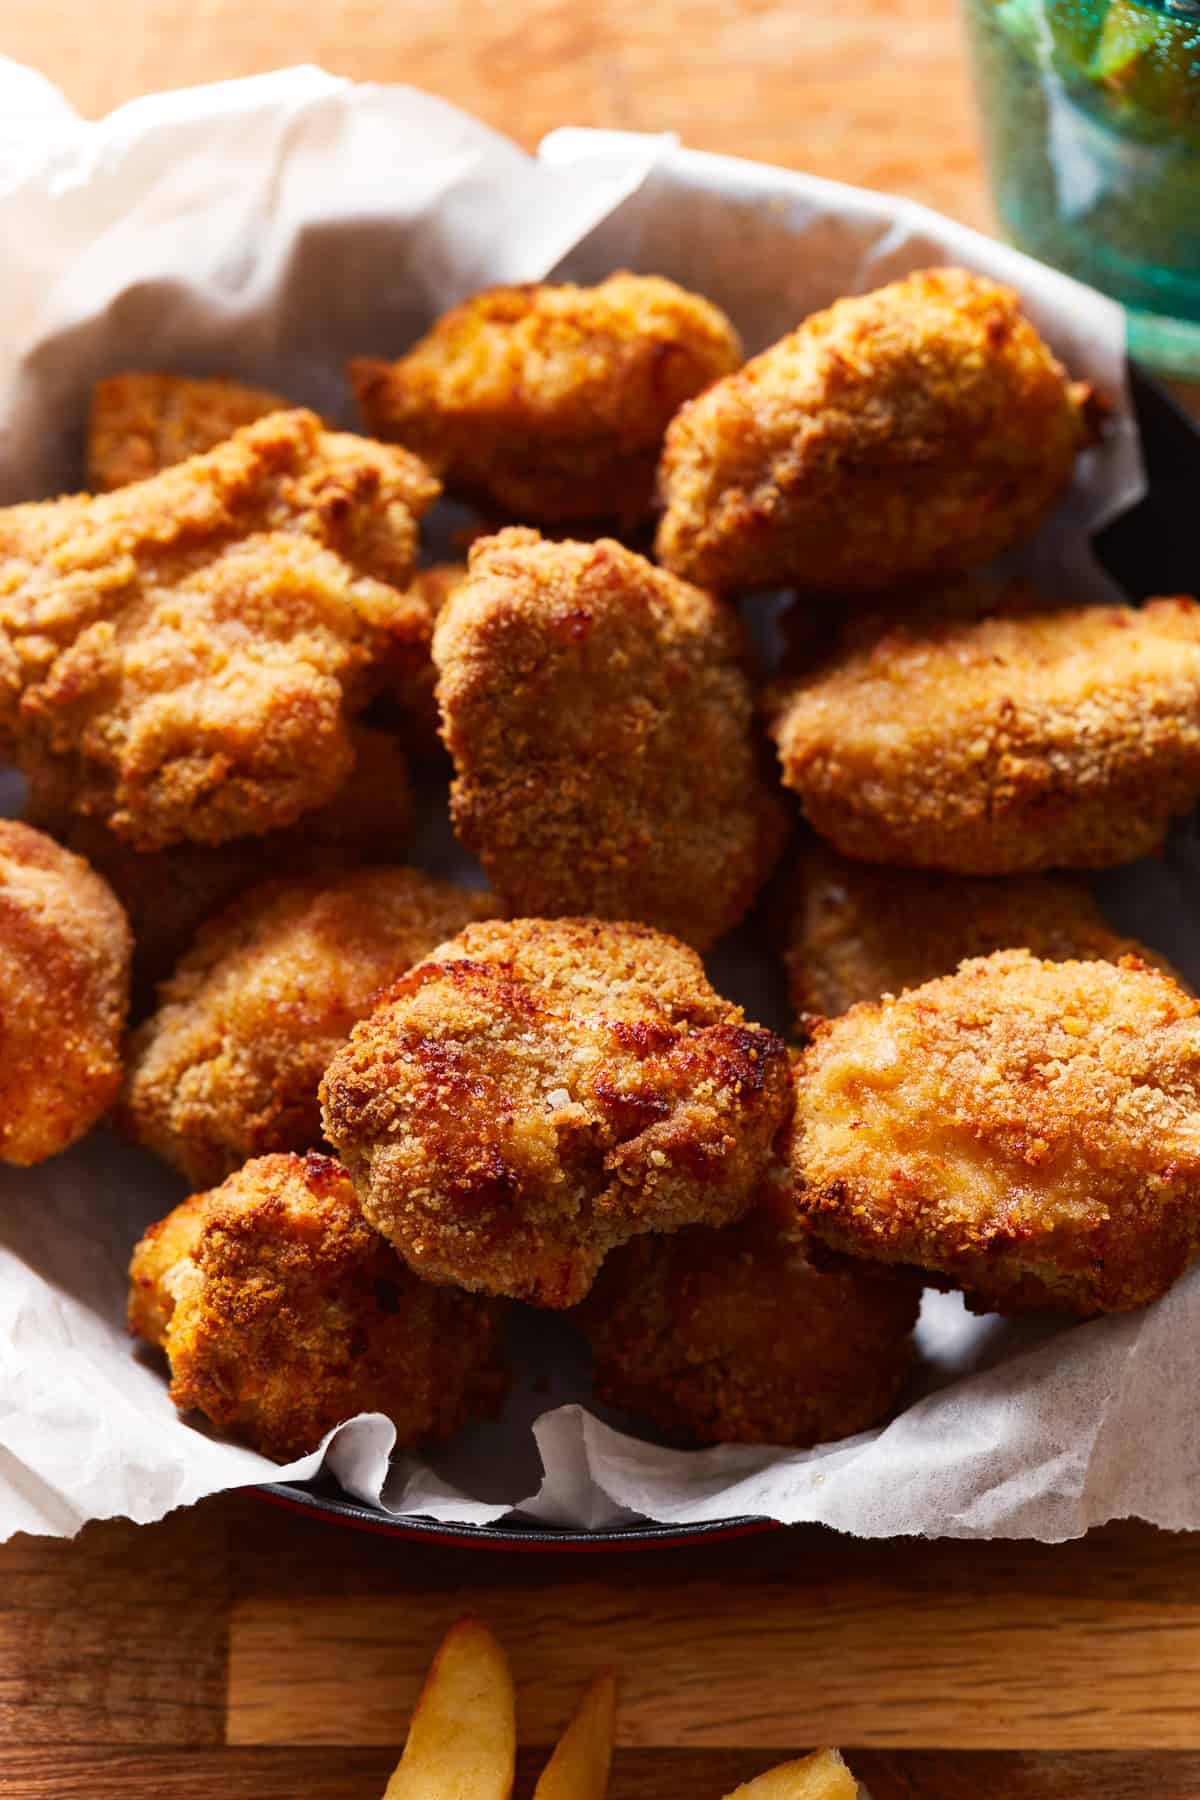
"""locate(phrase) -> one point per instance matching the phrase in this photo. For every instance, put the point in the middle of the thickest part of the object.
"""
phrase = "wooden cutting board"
(241, 1652)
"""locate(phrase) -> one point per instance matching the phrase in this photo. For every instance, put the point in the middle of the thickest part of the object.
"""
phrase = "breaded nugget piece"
(65, 947)
(1062, 739)
(228, 1066)
(168, 894)
(539, 1091)
(551, 402)
(900, 435)
(282, 1314)
(853, 931)
(187, 653)
(143, 421)
(1030, 1130)
(430, 589)
(600, 719)
(737, 1336)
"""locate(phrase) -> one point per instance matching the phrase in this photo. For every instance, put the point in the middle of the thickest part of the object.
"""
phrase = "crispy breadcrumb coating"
(600, 719)
(187, 653)
(551, 402)
(228, 1066)
(282, 1314)
(539, 1091)
(143, 421)
(168, 894)
(905, 434)
(417, 721)
(1030, 1130)
(853, 931)
(1000, 745)
(65, 947)
(737, 1336)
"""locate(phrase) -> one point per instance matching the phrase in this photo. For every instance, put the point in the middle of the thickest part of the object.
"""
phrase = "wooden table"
(242, 1651)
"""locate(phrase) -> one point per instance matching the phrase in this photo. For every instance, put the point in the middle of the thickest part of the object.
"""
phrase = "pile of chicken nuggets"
(405, 1105)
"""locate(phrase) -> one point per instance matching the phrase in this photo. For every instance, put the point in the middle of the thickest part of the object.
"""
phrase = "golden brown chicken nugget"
(550, 402)
(187, 653)
(143, 421)
(1030, 1130)
(1000, 745)
(853, 931)
(228, 1067)
(282, 1314)
(738, 1336)
(541, 1090)
(168, 894)
(65, 947)
(905, 434)
(600, 717)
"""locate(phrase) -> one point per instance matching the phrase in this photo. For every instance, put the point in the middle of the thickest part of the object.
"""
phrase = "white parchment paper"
(268, 228)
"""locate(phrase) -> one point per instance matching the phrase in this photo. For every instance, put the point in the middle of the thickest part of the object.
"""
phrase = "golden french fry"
(821, 1776)
(462, 1742)
(578, 1769)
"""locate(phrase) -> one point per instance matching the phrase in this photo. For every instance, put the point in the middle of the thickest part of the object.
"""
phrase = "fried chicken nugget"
(539, 1091)
(65, 947)
(228, 1066)
(900, 435)
(551, 402)
(187, 653)
(853, 931)
(600, 718)
(282, 1314)
(168, 894)
(143, 421)
(1000, 745)
(737, 1336)
(1030, 1130)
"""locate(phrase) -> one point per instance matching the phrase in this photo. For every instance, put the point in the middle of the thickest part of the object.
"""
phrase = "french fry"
(462, 1742)
(578, 1768)
(821, 1776)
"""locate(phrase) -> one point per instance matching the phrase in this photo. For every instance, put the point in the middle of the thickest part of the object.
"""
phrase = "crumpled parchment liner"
(269, 228)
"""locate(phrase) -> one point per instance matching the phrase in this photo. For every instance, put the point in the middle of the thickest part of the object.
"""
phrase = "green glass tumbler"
(1091, 124)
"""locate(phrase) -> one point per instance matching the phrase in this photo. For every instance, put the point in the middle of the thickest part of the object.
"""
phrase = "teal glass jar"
(1091, 123)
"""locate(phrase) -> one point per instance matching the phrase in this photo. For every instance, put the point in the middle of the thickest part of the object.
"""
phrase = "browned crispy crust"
(539, 1091)
(909, 433)
(186, 654)
(228, 1066)
(737, 1336)
(550, 402)
(282, 1313)
(143, 421)
(600, 719)
(1000, 745)
(64, 990)
(168, 894)
(417, 721)
(852, 931)
(1030, 1130)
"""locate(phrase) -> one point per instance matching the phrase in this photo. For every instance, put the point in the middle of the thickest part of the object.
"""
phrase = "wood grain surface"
(241, 1651)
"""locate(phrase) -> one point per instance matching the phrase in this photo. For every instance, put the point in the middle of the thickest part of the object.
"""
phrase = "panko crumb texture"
(1001, 745)
(65, 949)
(738, 1336)
(600, 718)
(539, 1091)
(228, 1066)
(145, 420)
(168, 894)
(906, 434)
(1030, 1130)
(852, 931)
(186, 654)
(282, 1314)
(550, 402)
